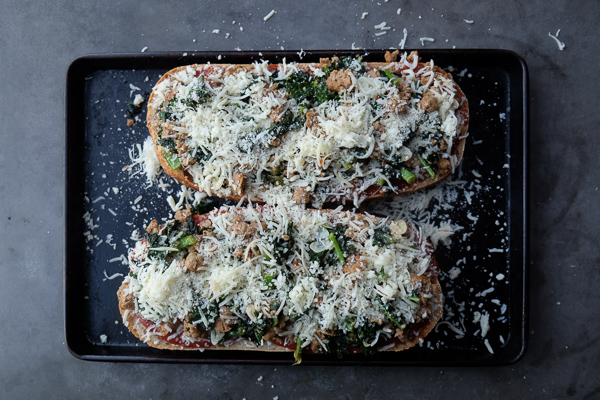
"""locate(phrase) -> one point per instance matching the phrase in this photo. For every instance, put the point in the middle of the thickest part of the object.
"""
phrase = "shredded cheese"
(561, 45)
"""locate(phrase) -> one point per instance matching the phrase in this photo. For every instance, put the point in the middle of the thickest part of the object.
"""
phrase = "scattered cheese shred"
(426, 39)
(269, 15)
(489, 347)
(561, 45)
(113, 276)
(403, 41)
(146, 161)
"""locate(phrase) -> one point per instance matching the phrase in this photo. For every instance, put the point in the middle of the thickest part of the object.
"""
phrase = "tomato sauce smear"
(175, 340)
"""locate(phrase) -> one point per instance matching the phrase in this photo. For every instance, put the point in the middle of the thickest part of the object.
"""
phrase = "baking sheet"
(484, 268)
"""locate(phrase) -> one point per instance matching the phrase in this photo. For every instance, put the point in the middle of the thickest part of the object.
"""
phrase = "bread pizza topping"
(332, 131)
(322, 281)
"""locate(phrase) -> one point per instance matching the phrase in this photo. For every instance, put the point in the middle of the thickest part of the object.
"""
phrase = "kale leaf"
(210, 311)
(197, 95)
(289, 123)
(275, 176)
(204, 206)
(366, 335)
(382, 236)
(166, 113)
(355, 336)
(306, 88)
(202, 157)
(348, 62)
(132, 110)
(168, 144)
(318, 257)
(155, 240)
(281, 247)
(344, 241)
(251, 330)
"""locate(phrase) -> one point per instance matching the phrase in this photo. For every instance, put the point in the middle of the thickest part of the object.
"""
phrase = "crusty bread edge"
(132, 322)
(185, 178)
(153, 125)
(437, 308)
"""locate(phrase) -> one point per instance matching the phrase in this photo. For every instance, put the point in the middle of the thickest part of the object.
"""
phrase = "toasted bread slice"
(370, 130)
(309, 268)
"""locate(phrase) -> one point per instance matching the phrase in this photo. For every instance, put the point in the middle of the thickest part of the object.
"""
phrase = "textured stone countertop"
(38, 41)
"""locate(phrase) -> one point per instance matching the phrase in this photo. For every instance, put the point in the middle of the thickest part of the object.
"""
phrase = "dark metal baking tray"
(97, 144)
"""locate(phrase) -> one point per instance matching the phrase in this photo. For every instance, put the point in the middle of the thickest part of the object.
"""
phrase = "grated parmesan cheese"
(561, 45)
(488, 346)
(402, 43)
(269, 15)
(426, 39)
(145, 162)
(113, 276)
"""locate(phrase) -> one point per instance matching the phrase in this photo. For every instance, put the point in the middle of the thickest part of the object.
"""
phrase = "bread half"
(337, 131)
(281, 279)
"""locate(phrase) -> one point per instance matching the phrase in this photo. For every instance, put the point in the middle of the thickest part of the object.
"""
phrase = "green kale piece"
(155, 240)
(275, 176)
(132, 110)
(197, 95)
(366, 335)
(210, 312)
(306, 88)
(383, 236)
(349, 62)
(289, 123)
(318, 257)
(166, 113)
(281, 247)
(387, 310)
(343, 241)
(204, 206)
(168, 144)
(202, 157)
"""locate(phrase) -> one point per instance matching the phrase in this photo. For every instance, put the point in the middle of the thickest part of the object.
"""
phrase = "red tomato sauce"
(177, 340)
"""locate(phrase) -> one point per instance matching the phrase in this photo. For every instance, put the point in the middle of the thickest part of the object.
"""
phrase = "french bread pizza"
(281, 279)
(341, 130)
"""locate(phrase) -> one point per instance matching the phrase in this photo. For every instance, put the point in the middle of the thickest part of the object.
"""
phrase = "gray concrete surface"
(39, 39)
